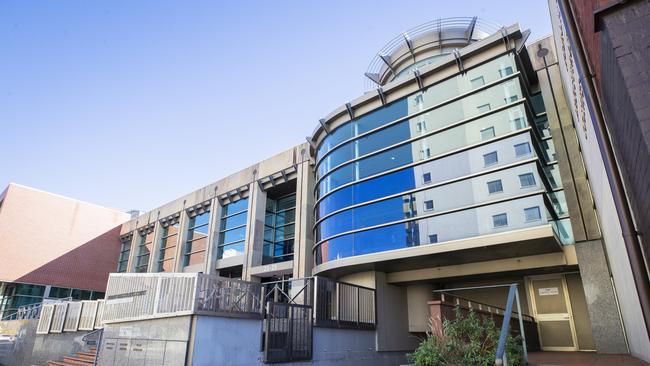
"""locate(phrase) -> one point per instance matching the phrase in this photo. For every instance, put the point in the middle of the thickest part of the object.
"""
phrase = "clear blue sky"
(130, 104)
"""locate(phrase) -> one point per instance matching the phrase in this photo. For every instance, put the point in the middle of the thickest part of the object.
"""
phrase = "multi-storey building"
(453, 170)
(53, 247)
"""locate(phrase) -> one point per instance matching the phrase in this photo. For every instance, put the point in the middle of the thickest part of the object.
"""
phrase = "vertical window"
(167, 245)
(518, 123)
(428, 205)
(421, 126)
(425, 153)
(510, 99)
(483, 108)
(232, 229)
(500, 220)
(505, 71)
(145, 243)
(490, 158)
(426, 178)
(495, 186)
(479, 81)
(532, 214)
(279, 229)
(522, 149)
(487, 133)
(433, 238)
(527, 180)
(125, 251)
(197, 238)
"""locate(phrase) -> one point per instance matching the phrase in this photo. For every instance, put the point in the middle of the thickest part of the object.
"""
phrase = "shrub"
(470, 340)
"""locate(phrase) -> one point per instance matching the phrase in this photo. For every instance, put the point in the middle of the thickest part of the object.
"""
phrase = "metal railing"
(513, 296)
(336, 304)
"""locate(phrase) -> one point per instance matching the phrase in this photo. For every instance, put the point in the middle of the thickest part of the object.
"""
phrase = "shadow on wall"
(85, 267)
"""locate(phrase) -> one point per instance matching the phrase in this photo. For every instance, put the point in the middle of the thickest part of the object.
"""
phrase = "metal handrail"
(501, 358)
(481, 305)
(29, 310)
(86, 339)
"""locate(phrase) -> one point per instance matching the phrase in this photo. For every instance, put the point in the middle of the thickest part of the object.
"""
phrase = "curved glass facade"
(459, 159)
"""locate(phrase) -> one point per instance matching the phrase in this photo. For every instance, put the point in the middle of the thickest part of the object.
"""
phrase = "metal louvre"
(176, 294)
(288, 332)
(228, 296)
(88, 314)
(45, 321)
(129, 297)
(99, 318)
(58, 318)
(72, 317)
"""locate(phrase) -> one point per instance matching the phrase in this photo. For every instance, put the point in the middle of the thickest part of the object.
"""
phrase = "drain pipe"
(623, 211)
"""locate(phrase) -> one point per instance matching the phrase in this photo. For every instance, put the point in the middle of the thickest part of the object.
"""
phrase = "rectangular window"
(232, 234)
(426, 178)
(125, 251)
(479, 81)
(145, 244)
(483, 108)
(495, 186)
(532, 214)
(527, 180)
(500, 220)
(505, 71)
(167, 246)
(196, 241)
(433, 238)
(279, 229)
(428, 205)
(490, 158)
(426, 153)
(518, 123)
(487, 133)
(510, 99)
(421, 126)
(522, 149)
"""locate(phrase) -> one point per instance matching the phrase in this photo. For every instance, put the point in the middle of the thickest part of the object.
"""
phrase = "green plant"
(464, 341)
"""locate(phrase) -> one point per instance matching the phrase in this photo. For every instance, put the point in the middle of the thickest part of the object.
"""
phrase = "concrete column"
(304, 235)
(392, 317)
(254, 230)
(601, 301)
(213, 239)
(180, 240)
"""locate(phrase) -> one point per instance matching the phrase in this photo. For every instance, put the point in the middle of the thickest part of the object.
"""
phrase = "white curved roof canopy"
(421, 45)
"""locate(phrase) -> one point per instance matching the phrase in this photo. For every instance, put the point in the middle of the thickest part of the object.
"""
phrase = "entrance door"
(552, 309)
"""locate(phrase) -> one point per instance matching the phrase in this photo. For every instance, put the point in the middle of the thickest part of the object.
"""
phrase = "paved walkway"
(581, 359)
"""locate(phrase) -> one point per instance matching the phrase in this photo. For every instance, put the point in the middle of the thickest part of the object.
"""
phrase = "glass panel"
(285, 217)
(166, 266)
(234, 207)
(231, 250)
(201, 219)
(435, 119)
(527, 180)
(285, 203)
(490, 158)
(443, 169)
(284, 232)
(495, 186)
(232, 235)
(500, 220)
(522, 149)
(532, 214)
(30, 290)
(195, 258)
(437, 144)
(487, 133)
(234, 221)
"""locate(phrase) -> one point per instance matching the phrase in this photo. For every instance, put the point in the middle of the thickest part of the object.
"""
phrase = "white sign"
(548, 291)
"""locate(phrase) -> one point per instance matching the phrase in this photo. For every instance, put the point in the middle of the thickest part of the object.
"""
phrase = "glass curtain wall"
(125, 252)
(279, 229)
(232, 229)
(439, 165)
(197, 239)
(145, 245)
(167, 247)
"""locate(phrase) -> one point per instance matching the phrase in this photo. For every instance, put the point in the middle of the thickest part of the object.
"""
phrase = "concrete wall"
(392, 317)
(236, 342)
(28, 348)
(148, 342)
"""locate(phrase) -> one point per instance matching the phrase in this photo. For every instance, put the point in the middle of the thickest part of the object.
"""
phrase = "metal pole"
(521, 326)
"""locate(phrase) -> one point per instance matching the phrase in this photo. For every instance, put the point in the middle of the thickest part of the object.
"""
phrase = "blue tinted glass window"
(387, 160)
(334, 138)
(386, 137)
(235, 207)
(381, 116)
(500, 220)
(234, 221)
(495, 186)
(490, 158)
(532, 214)
(433, 238)
(233, 235)
(527, 180)
(522, 149)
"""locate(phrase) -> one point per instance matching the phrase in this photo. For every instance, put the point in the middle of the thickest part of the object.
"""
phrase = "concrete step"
(85, 357)
(77, 361)
(56, 363)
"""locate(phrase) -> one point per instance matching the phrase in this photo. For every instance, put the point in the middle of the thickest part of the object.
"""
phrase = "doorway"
(551, 306)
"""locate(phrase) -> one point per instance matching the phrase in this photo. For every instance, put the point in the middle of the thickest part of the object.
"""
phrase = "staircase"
(79, 359)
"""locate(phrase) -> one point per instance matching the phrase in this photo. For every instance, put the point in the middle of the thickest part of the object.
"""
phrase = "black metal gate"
(288, 333)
